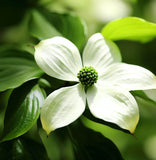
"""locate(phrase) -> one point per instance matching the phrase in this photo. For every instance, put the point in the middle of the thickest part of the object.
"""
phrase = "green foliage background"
(21, 26)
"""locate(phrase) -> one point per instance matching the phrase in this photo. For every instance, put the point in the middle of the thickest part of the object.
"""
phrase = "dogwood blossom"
(103, 82)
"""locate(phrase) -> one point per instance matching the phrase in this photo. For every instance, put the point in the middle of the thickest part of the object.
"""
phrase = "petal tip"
(47, 130)
(133, 127)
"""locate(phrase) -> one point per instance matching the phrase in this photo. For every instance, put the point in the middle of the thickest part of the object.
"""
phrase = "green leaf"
(144, 95)
(40, 27)
(130, 28)
(4, 96)
(91, 145)
(45, 24)
(17, 67)
(22, 149)
(69, 25)
(23, 110)
(88, 115)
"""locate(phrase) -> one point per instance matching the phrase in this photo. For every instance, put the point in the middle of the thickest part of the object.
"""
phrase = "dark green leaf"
(91, 145)
(130, 28)
(23, 110)
(69, 25)
(17, 67)
(45, 24)
(40, 27)
(22, 149)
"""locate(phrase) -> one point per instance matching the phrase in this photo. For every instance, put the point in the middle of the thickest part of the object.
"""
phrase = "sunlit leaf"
(17, 67)
(23, 110)
(130, 28)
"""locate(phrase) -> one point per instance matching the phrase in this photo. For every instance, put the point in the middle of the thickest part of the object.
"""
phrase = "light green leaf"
(130, 28)
(45, 24)
(17, 67)
(23, 110)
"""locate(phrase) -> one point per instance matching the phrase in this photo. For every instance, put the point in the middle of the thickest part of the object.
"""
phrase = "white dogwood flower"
(108, 82)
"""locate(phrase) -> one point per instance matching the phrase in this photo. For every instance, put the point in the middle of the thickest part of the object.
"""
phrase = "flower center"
(87, 76)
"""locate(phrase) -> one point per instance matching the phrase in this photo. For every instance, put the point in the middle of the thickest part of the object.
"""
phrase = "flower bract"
(100, 69)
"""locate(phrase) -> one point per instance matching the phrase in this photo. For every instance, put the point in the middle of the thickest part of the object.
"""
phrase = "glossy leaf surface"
(17, 67)
(23, 110)
(22, 149)
(44, 24)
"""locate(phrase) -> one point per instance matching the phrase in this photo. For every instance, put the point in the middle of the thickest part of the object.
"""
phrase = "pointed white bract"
(109, 99)
(113, 105)
(59, 58)
(62, 107)
(97, 53)
(130, 77)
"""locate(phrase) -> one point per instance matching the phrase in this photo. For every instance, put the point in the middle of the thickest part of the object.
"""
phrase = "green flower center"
(87, 76)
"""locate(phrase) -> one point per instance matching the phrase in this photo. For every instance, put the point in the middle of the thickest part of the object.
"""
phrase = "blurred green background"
(14, 15)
